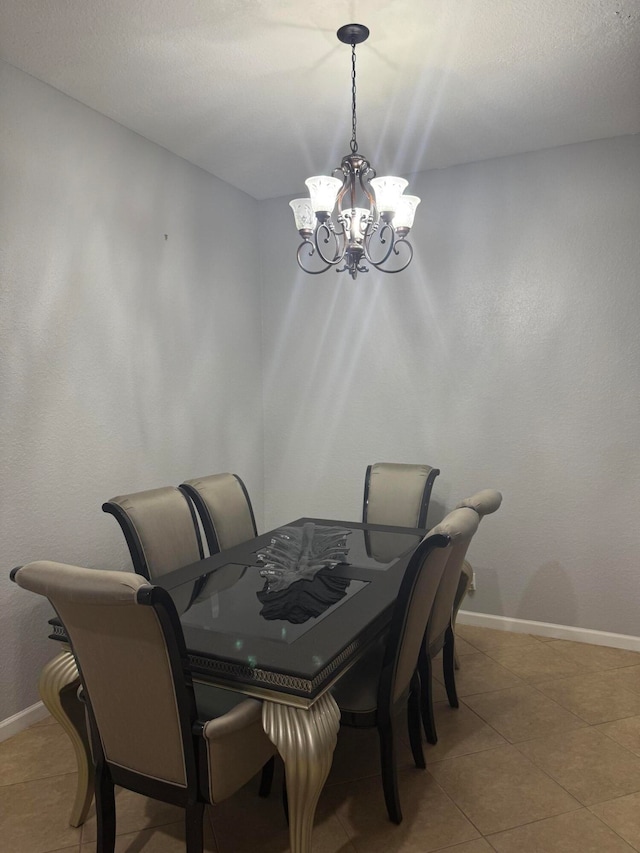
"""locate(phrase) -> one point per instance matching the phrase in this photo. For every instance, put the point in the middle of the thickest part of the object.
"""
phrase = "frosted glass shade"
(355, 219)
(405, 211)
(323, 190)
(388, 190)
(303, 214)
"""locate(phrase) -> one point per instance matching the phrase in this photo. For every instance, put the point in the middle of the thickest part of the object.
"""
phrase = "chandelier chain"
(354, 141)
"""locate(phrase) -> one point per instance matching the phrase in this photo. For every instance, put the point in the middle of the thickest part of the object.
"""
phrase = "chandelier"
(376, 233)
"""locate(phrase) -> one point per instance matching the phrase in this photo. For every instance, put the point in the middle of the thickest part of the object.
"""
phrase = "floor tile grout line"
(480, 717)
(151, 828)
(606, 734)
(548, 698)
(146, 828)
(35, 779)
(558, 653)
(592, 806)
(594, 726)
(544, 772)
(598, 674)
(587, 722)
(608, 825)
(456, 805)
(557, 782)
(578, 807)
(581, 808)
(556, 702)
(549, 776)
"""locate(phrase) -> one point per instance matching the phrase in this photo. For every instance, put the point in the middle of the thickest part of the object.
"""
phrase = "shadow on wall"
(488, 597)
(549, 597)
(436, 512)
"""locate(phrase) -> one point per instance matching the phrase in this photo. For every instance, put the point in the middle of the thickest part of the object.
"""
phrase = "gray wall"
(127, 361)
(508, 355)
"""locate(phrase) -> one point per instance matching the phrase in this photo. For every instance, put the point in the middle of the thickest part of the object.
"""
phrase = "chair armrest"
(244, 715)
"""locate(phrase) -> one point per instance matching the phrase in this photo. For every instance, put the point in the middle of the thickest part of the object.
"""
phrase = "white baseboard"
(22, 720)
(549, 629)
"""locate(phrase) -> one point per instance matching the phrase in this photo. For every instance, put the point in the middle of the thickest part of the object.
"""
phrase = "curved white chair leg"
(306, 739)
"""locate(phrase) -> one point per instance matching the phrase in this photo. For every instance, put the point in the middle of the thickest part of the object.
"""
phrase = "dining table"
(280, 618)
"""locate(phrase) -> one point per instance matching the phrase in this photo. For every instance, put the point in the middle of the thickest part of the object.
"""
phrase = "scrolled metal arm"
(324, 232)
(328, 231)
(400, 241)
(384, 233)
(312, 251)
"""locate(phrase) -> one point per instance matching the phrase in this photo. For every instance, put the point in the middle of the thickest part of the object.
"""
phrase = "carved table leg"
(58, 687)
(305, 739)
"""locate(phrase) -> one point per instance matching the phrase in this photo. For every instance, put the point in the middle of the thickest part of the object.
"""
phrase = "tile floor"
(543, 756)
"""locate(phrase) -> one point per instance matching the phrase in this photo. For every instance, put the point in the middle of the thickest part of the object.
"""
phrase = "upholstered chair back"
(484, 503)
(225, 510)
(160, 528)
(413, 607)
(130, 666)
(460, 525)
(397, 494)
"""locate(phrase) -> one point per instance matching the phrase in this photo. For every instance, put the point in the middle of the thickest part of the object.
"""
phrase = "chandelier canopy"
(374, 232)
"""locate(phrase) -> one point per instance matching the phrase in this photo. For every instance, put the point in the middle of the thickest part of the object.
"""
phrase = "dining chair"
(152, 730)
(160, 528)
(397, 494)
(370, 693)
(225, 510)
(440, 633)
(161, 533)
(484, 503)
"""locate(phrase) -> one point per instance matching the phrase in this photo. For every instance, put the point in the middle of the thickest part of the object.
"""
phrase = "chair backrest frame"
(442, 611)
(132, 536)
(484, 502)
(424, 501)
(161, 602)
(397, 629)
(192, 493)
(178, 664)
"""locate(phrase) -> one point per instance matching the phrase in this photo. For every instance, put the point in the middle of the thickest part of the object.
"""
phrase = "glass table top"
(239, 629)
(248, 608)
(370, 549)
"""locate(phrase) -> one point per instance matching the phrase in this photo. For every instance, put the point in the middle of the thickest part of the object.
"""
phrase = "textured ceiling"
(257, 92)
